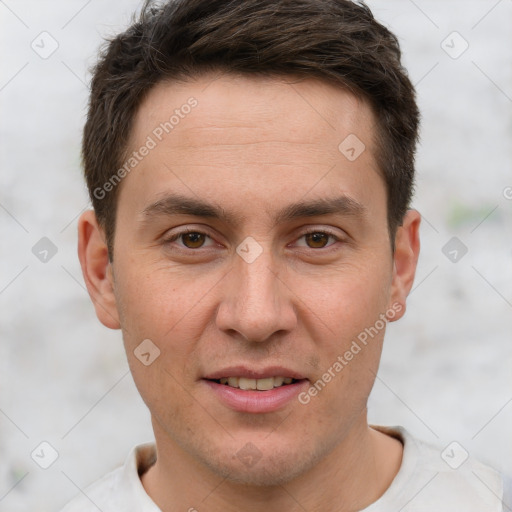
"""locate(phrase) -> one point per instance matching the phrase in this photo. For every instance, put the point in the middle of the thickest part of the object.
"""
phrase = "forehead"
(237, 134)
(268, 103)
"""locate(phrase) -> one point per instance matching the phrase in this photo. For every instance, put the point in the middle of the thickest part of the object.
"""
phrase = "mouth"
(265, 384)
(251, 391)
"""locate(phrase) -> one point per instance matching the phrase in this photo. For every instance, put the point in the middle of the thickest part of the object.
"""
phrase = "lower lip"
(257, 401)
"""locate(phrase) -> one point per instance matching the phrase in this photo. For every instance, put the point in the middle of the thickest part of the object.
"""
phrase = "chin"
(272, 467)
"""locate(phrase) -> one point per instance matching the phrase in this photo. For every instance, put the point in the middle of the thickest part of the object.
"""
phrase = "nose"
(257, 303)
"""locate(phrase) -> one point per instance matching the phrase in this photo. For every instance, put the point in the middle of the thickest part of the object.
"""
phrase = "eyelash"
(176, 236)
(323, 232)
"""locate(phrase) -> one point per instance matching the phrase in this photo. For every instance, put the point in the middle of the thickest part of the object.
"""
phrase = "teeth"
(259, 384)
(278, 381)
(265, 384)
(244, 383)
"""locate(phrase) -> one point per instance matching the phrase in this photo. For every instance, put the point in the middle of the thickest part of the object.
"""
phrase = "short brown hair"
(337, 41)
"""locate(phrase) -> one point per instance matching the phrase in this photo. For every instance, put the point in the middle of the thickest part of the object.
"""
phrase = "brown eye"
(317, 240)
(193, 240)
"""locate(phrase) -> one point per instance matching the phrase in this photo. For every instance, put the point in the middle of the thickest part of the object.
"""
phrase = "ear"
(405, 260)
(97, 269)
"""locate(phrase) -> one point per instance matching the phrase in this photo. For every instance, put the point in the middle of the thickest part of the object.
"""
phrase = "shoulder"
(98, 495)
(120, 490)
(442, 478)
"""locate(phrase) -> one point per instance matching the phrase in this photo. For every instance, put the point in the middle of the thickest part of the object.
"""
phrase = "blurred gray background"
(446, 368)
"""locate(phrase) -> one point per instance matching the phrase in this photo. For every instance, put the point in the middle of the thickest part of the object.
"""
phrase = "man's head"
(252, 236)
(335, 41)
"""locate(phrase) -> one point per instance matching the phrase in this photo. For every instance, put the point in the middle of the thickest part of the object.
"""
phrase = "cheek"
(161, 387)
(159, 303)
(347, 308)
(346, 300)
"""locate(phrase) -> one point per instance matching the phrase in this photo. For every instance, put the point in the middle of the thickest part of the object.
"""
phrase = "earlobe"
(405, 260)
(97, 269)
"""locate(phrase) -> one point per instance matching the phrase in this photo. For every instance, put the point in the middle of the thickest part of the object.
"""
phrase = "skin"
(253, 146)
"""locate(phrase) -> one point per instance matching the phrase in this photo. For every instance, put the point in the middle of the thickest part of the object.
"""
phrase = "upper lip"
(252, 373)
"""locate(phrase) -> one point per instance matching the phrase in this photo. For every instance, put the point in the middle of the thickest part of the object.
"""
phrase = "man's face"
(248, 292)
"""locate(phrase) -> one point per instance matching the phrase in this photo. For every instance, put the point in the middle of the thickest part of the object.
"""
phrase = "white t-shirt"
(426, 482)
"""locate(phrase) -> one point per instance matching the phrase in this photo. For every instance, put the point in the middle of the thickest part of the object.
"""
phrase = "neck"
(354, 475)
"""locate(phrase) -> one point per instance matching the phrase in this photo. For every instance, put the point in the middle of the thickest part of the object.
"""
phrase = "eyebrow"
(176, 204)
